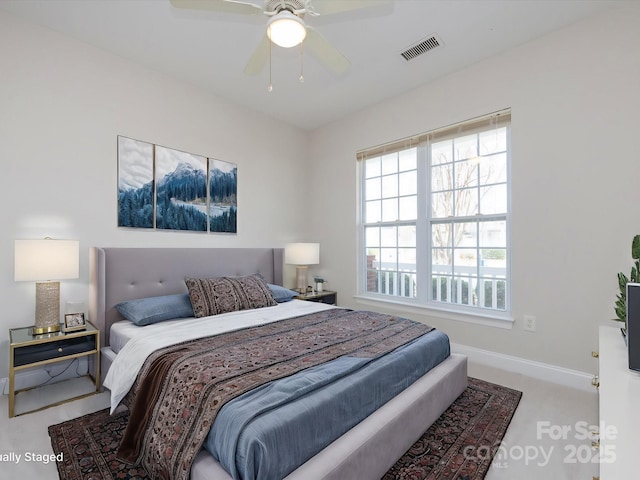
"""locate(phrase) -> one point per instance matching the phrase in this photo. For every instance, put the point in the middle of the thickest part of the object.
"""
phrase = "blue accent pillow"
(146, 311)
(281, 294)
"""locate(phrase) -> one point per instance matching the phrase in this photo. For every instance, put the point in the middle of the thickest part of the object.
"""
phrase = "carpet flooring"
(460, 445)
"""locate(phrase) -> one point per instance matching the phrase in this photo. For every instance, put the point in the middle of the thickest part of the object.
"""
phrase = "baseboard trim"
(529, 368)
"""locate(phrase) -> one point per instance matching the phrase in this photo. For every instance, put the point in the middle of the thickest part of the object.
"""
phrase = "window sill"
(497, 320)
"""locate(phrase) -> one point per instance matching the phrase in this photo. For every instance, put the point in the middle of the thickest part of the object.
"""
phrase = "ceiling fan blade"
(326, 53)
(226, 6)
(259, 58)
(329, 7)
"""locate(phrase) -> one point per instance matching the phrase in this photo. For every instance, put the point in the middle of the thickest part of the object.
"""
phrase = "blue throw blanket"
(268, 432)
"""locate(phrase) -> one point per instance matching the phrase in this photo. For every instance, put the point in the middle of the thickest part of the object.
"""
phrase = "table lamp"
(302, 255)
(45, 262)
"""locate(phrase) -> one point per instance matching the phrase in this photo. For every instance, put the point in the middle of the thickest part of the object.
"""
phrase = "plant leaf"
(622, 280)
(635, 247)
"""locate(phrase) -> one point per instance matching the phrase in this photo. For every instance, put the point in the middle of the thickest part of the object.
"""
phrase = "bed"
(366, 451)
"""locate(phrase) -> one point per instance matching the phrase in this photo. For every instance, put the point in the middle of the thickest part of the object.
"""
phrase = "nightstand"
(326, 296)
(28, 351)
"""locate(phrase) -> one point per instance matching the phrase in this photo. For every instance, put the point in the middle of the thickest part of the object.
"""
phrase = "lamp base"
(43, 330)
(47, 308)
(301, 278)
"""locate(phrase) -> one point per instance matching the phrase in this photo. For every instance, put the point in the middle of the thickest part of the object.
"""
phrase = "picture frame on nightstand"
(74, 322)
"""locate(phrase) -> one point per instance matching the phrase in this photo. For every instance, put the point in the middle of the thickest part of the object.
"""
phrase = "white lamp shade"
(286, 30)
(302, 253)
(46, 259)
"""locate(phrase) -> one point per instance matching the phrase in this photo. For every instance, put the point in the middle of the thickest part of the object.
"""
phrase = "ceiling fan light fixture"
(286, 30)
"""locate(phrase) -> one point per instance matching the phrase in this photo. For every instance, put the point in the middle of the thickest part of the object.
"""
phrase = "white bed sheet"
(123, 331)
(142, 341)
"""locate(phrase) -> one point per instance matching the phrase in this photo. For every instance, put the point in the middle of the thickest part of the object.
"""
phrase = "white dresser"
(619, 408)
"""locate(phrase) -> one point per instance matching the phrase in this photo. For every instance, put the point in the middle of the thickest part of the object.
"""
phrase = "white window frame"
(422, 303)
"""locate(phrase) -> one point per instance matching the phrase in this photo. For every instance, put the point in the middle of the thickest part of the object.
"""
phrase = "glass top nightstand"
(24, 335)
(30, 351)
(326, 296)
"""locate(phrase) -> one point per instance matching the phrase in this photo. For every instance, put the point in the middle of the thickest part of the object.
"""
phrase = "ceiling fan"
(286, 27)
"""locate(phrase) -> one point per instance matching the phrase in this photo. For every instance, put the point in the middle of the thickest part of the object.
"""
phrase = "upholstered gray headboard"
(119, 274)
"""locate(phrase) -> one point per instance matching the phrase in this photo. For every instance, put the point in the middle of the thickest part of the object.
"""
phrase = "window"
(435, 218)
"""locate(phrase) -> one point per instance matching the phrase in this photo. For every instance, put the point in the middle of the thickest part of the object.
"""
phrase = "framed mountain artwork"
(135, 183)
(181, 190)
(166, 189)
(223, 193)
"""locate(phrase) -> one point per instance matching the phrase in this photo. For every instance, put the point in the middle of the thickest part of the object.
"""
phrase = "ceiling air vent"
(429, 43)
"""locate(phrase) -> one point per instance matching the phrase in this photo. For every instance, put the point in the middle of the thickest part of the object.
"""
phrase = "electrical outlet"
(529, 323)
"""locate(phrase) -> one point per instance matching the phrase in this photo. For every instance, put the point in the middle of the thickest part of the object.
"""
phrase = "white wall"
(575, 99)
(62, 105)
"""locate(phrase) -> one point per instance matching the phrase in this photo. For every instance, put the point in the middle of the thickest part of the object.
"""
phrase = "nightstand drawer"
(330, 299)
(46, 351)
(326, 296)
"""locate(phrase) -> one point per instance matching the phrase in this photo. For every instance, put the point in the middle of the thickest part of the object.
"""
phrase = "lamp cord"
(51, 377)
(302, 62)
(270, 87)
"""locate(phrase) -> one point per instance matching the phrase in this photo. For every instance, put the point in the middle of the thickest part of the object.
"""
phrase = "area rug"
(460, 445)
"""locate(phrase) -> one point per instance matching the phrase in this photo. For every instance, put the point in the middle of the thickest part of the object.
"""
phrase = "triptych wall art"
(166, 189)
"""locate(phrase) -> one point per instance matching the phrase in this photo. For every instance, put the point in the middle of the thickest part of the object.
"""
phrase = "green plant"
(621, 299)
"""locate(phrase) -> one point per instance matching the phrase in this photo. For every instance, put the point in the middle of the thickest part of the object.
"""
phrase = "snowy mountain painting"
(223, 193)
(135, 183)
(189, 192)
(181, 190)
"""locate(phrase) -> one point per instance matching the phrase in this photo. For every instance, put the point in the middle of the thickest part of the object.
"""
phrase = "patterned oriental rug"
(460, 445)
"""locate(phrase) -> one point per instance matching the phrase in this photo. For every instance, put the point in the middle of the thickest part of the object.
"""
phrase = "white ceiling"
(210, 49)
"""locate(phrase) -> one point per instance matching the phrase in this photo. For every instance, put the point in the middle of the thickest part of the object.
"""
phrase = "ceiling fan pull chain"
(270, 87)
(301, 62)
